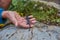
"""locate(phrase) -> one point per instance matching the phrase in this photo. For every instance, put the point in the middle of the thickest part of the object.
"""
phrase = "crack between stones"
(31, 33)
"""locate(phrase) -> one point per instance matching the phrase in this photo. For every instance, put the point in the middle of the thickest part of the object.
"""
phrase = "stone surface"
(39, 32)
(55, 4)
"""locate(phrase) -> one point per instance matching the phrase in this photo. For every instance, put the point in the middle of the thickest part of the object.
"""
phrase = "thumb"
(12, 18)
(14, 21)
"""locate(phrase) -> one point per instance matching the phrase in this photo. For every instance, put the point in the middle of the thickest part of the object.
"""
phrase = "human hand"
(17, 20)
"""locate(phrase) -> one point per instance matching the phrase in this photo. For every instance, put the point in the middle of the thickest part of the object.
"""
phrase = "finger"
(32, 25)
(31, 16)
(15, 22)
(24, 25)
(27, 26)
(33, 22)
(32, 19)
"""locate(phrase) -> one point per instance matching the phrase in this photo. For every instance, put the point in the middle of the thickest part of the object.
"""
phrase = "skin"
(5, 3)
(14, 17)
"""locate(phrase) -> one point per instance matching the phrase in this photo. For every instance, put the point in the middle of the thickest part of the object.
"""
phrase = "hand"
(17, 20)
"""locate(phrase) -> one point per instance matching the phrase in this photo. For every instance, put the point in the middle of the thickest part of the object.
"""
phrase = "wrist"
(4, 14)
